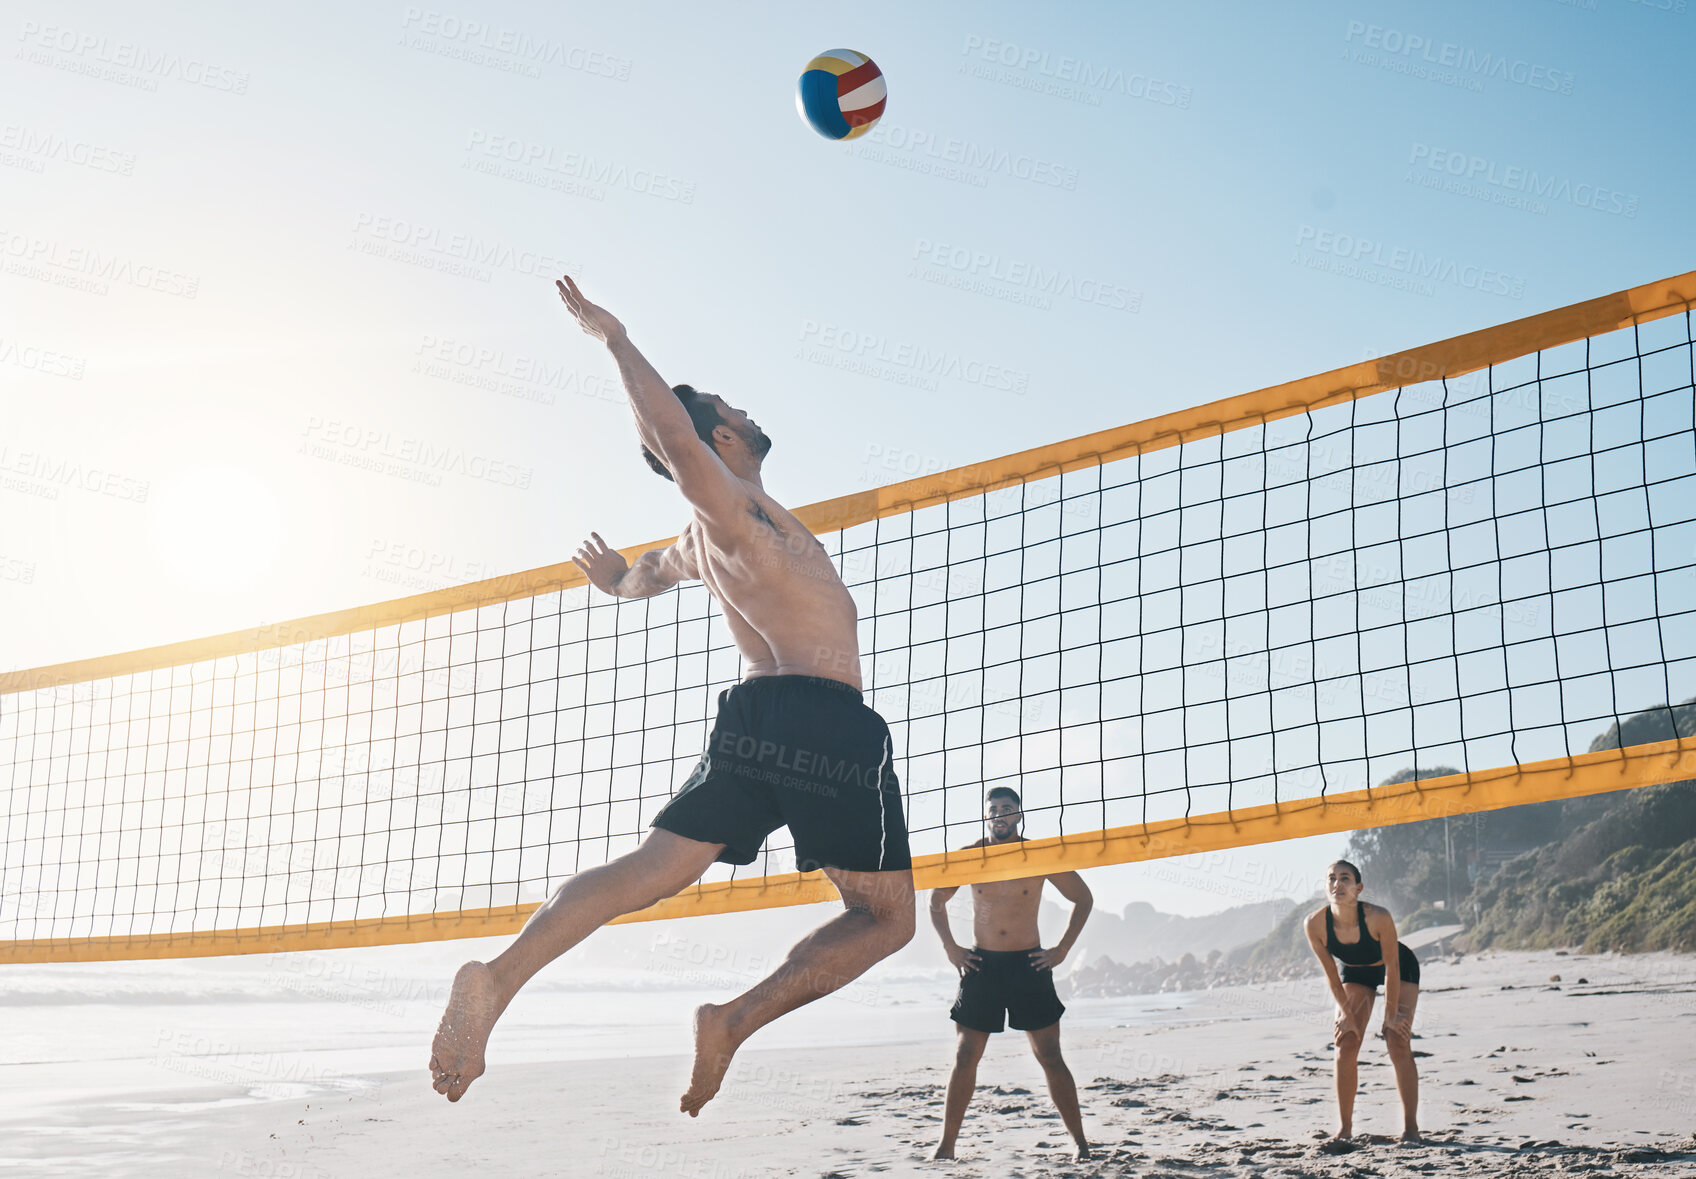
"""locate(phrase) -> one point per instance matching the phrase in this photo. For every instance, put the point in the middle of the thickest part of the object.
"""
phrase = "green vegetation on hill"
(1609, 871)
(1605, 872)
(1625, 881)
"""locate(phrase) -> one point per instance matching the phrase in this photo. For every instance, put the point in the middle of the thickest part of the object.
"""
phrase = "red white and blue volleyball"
(841, 94)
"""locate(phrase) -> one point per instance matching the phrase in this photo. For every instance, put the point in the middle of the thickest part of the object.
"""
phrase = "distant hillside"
(1608, 871)
(1141, 933)
(1446, 862)
(1282, 950)
(1621, 876)
(1145, 952)
(1624, 881)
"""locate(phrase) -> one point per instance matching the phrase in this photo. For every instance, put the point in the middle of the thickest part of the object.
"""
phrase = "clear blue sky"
(235, 246)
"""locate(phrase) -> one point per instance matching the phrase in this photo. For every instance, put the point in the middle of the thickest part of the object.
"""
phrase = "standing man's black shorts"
(1005, 983)
(803, 752)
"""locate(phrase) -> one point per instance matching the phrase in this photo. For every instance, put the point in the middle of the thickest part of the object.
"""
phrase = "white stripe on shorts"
(882, 819)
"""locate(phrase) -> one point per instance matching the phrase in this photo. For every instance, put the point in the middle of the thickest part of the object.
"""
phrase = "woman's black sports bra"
(1365, 952)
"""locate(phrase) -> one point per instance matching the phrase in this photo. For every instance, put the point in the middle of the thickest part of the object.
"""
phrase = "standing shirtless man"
(1008, 973)
(792, 745)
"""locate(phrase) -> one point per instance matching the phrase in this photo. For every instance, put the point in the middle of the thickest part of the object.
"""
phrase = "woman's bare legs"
(1360, 1000)
(1407, 1071)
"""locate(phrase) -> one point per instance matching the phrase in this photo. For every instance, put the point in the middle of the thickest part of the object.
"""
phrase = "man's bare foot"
(1345, 1133)
(714, 1046)
(1083, 1152)
(456, 1056)
(944, 1150)
(1411, 1137)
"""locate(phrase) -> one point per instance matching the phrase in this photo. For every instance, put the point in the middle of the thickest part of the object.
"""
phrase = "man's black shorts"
(803, 752)
(1006, 983)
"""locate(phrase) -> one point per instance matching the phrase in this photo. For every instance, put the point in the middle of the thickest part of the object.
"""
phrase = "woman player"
(1354, 934)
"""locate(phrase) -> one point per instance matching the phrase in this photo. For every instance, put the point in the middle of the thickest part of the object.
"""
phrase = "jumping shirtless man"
(792, 745)
(1008, 973)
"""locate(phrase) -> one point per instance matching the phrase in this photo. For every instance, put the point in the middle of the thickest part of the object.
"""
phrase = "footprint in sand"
(1112, 1084)
(1338, 1146)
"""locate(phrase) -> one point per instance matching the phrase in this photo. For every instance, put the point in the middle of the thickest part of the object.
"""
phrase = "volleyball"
(841, 94)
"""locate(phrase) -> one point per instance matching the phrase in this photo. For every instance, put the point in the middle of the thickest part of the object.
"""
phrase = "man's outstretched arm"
(654, 572)
(661, 421)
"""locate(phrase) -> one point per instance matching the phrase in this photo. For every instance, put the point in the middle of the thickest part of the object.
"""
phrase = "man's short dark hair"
(1005, 792)
(702, 412)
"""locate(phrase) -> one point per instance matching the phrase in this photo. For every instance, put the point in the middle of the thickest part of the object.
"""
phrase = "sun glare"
(215, 528)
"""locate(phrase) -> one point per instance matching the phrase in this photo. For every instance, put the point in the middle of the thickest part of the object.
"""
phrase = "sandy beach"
(1521, 1075)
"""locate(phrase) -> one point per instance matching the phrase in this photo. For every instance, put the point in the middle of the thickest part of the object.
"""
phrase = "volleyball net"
(1210, 629)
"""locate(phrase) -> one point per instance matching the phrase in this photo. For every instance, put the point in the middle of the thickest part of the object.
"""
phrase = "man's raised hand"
(604, 567)
(597, 321)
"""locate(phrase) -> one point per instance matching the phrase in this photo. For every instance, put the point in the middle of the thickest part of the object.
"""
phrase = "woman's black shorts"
(1373, 976)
